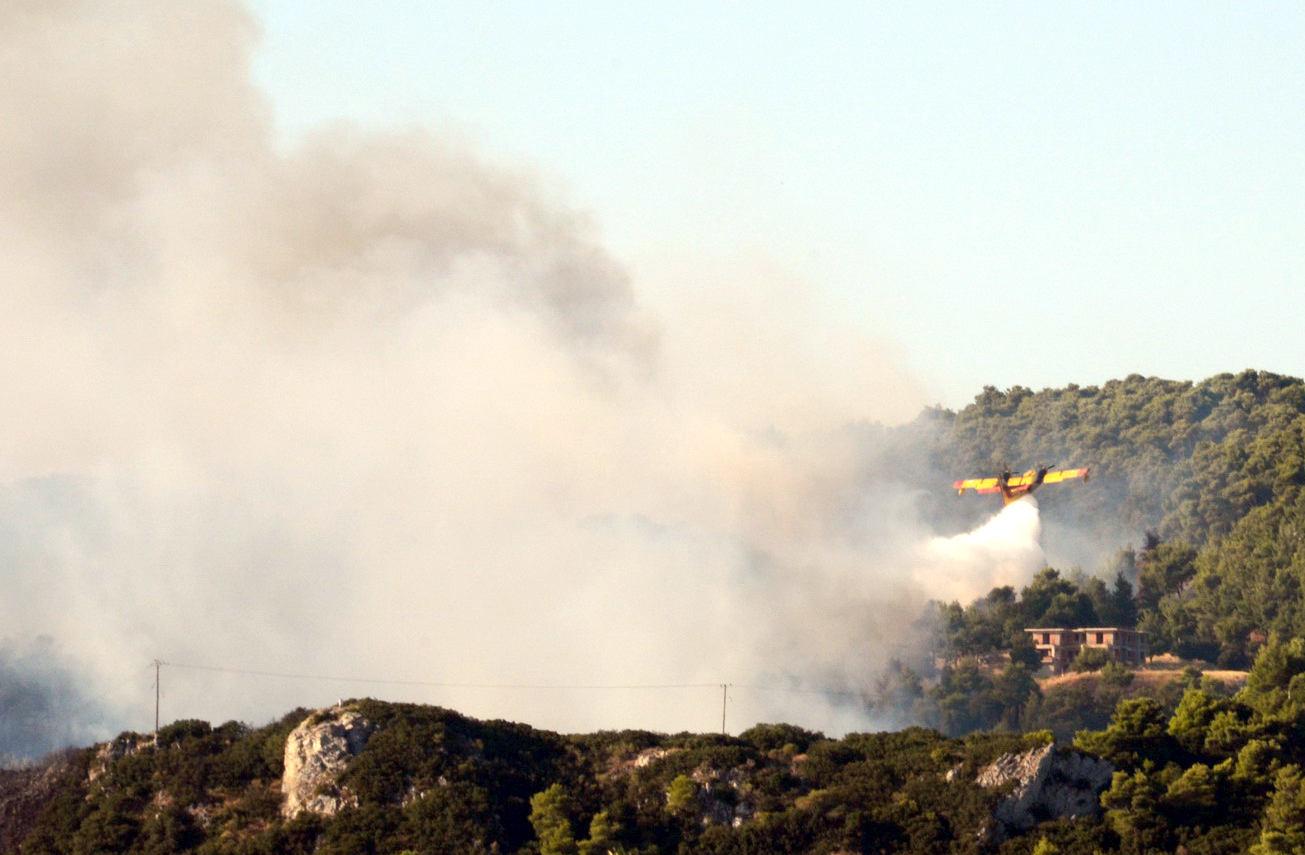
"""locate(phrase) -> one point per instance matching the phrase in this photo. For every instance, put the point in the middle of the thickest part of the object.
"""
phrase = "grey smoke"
(44, 703)
(365, 405)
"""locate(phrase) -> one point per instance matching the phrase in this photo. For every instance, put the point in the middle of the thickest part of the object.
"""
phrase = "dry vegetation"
(1159, 672)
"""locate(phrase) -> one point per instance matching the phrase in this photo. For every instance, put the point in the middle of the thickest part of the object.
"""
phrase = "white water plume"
(1005, 550)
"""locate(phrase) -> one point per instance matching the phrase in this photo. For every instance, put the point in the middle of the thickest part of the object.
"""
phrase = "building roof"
(1084, 629)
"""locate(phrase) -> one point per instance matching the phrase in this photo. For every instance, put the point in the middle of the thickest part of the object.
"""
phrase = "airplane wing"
(1065, 475)
(983, 485)
(1021, 480)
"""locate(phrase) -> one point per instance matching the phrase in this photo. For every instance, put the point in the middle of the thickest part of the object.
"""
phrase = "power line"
(725, 688)
(827, 692)
(793, 690)
(439, 684)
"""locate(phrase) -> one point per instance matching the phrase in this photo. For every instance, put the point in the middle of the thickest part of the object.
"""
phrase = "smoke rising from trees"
(367, 405)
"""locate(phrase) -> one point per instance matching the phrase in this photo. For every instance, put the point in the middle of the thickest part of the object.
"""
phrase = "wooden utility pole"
(158, 691)
(724, 699)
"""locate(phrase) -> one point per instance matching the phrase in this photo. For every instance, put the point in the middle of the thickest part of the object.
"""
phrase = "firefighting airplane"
(1013, 487)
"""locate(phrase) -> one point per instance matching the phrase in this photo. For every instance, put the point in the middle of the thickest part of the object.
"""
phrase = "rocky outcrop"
(646, 758)
(721, 796)
(316, 753)
(126, 745)
(1048, 785)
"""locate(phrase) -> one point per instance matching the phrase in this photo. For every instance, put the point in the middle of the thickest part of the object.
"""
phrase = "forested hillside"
(1200, 485)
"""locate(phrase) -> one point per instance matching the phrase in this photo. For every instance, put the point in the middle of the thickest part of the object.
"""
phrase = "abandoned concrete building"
(1059, 646)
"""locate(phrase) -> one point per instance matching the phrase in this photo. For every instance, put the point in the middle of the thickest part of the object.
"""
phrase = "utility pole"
(724, 699)
(158, 691)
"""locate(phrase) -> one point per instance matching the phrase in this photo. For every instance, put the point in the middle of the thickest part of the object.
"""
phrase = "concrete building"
(1059, 646)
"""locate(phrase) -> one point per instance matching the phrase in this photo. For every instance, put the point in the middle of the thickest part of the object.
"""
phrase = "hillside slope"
(389, 778)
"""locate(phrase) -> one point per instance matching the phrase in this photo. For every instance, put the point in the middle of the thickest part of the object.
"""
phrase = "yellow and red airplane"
(1014, 487)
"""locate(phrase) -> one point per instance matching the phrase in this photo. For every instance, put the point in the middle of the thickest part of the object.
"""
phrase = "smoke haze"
(368, 406)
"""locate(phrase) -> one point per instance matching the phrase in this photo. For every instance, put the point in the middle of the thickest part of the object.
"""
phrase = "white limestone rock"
(316, 753)
(1049, 785)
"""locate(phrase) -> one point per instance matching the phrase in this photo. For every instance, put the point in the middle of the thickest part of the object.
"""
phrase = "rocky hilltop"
(366, 776)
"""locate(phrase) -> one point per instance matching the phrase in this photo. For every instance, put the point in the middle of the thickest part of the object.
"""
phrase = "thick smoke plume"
(366, 406)
(43, 703)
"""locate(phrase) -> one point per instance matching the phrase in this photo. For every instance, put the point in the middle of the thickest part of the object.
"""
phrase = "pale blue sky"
(1029, 193)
